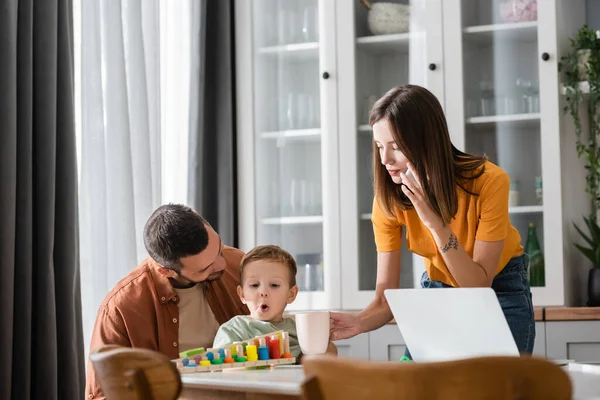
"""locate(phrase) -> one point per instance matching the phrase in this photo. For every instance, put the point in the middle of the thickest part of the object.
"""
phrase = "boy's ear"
(240, 293)
(292, 294)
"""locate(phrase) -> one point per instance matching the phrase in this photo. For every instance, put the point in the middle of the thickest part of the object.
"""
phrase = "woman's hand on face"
(413, 190)
(343, 325)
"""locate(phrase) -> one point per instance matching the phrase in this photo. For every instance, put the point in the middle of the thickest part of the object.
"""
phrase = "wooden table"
(283, 383)
(280, 383)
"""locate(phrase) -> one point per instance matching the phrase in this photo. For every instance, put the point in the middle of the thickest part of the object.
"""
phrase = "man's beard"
(182, 281)
(214, 276)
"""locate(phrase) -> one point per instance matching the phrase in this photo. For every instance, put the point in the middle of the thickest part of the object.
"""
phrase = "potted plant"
(593, 254)
(581, 64)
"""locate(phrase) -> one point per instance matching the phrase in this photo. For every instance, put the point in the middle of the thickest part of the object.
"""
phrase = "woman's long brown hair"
(421, 133)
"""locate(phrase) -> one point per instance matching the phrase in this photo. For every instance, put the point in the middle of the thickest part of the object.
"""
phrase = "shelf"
(526, 209)
(292, 52)
(503, 118)
(511, 210)
(516, 31)
(296, 135)
(385, 44)
(365, 128)
(304, 220)
(512, 120)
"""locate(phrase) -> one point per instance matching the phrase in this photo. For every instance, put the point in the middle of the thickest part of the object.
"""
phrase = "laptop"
(450, 324)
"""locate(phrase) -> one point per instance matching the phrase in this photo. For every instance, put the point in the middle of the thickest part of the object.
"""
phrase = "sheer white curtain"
(132, 88)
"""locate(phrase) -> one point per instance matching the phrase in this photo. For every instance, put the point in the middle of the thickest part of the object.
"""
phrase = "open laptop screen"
(450, 324)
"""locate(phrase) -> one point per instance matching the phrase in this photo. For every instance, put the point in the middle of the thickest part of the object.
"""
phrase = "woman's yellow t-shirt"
(483, 216)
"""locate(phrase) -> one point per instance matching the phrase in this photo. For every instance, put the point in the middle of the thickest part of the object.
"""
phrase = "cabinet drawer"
(575, 340)
(356, 347)
(386, 343)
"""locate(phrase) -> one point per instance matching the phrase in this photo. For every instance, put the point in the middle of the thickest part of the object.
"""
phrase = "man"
(177, 298)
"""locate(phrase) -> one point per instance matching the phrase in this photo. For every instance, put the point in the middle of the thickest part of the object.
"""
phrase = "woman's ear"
(292, 294)
(240, 293)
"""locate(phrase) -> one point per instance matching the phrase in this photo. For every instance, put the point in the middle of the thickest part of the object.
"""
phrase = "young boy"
(268, 284)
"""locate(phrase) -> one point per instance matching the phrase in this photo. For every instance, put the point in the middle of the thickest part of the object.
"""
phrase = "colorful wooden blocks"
(261, 351)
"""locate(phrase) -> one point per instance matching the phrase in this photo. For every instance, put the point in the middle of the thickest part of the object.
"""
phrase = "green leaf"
(585, 237)
(586, 143)
(594, 229)
(589, 253)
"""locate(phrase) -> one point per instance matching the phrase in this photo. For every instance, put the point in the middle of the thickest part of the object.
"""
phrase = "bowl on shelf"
(387, 18)
(518, 10)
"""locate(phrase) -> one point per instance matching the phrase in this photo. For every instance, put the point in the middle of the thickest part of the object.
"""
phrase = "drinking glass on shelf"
(317, 108)
(535, 102)
(369, 102)
(470, 108)
(539, 191)
(303, 111)
(287, 30)
(487, 103)
(487, 106)
(299, 197)
(304, 201)
(293, 201)
(514, 193)
(292, 111)
(314, 198)
(505, 105)
(310, 24)
(534, 94)
(311, 110)
(530, 99)
(282, 106)
(274, 196)
(310, 272)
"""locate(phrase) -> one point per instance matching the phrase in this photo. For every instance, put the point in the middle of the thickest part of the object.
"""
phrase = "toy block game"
(257, 353)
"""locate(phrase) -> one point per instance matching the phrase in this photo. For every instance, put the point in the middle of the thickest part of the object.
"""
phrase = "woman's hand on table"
(343, 325)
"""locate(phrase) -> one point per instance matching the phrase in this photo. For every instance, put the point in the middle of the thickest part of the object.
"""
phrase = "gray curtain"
(41, 344)
(212, 171)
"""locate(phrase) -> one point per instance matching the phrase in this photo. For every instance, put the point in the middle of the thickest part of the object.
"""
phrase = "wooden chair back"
(490, 378)
(135, 374)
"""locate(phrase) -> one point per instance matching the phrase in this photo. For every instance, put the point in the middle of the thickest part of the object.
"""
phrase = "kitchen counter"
(571, 313)
(546, 314)
(538, 313)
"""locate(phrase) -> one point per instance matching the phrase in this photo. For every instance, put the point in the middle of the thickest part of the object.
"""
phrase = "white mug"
(313, 332)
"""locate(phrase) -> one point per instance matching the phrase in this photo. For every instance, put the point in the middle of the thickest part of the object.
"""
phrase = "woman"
(454, 209)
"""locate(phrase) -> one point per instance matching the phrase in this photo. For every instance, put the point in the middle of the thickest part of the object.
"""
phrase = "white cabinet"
(373, 64)
(386, 343)
(307, 73)
(286, 81)
(556, 340)
(539, 346)
(503, 99)
(575, 340)
(356, 347)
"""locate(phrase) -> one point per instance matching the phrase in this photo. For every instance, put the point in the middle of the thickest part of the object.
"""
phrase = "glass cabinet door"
(393, 43)
(502, 105)
(288, 186)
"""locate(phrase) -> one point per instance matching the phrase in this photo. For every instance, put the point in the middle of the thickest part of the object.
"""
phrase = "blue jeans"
(514, 294)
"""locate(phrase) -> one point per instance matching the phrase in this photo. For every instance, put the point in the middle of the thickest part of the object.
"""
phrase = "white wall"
(576, 204)
(593, 13)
